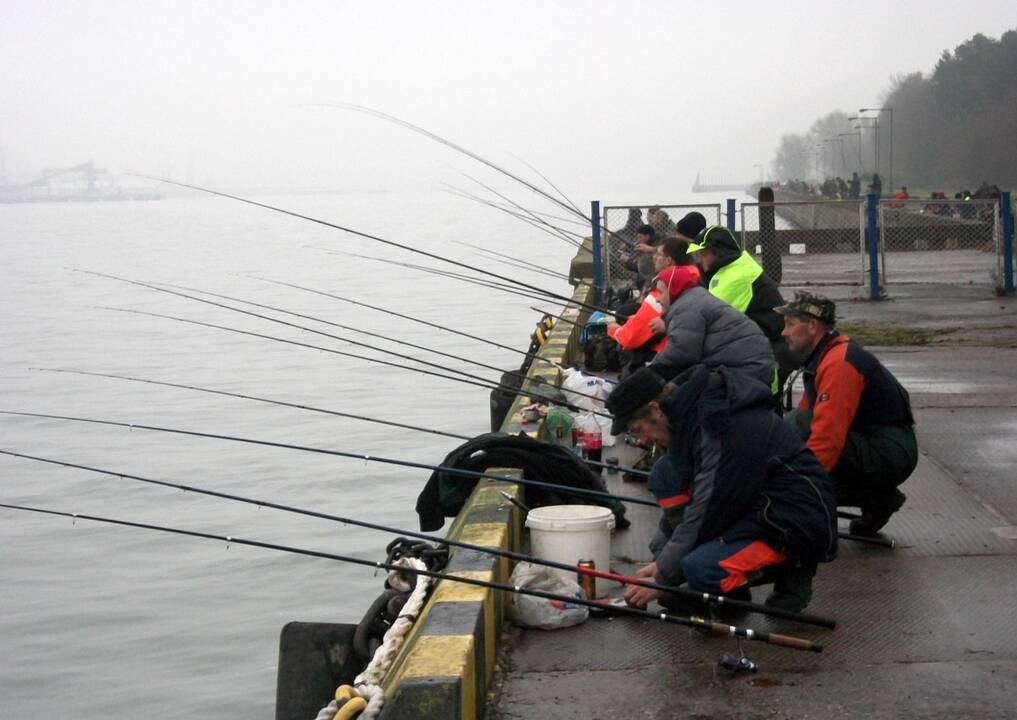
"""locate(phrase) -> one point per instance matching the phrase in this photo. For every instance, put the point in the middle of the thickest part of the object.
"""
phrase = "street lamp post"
(861, 170)
(875, 139)
(888, 110)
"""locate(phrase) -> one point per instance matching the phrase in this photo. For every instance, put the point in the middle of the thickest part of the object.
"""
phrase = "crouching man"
(740, 492)
(855, 416)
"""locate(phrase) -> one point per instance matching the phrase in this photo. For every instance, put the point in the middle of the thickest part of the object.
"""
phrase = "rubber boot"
(876, 514)
(792, 590)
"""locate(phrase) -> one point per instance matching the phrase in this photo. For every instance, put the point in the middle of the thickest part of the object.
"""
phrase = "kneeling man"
(739, 490)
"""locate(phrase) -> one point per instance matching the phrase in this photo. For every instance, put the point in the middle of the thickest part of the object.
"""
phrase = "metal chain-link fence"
(808, 242)
(624, 267)
(939, 240)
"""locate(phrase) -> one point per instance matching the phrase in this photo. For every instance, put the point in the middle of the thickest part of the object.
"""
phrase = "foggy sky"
(624, 100)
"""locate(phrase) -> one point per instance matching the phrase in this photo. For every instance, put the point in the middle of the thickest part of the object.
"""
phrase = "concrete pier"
(925, 630)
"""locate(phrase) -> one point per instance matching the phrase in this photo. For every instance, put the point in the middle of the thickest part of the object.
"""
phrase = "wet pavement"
(925, 630)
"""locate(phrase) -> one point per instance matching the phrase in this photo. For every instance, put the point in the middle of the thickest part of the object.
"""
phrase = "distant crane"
(88, 172)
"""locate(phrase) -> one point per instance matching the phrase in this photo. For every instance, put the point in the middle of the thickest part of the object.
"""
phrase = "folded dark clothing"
(446, 493)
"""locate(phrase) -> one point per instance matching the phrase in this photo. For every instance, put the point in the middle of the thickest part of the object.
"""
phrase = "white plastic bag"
(577, 382)
(536, 612)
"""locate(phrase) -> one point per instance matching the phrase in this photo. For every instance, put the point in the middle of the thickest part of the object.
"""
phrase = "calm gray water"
(109, 622)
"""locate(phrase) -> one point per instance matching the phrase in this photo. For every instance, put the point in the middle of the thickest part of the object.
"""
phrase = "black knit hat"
(810, 305)
(691, 225)
(630, 394)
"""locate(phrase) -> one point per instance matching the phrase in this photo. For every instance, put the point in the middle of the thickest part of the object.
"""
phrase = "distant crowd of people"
(837, 188)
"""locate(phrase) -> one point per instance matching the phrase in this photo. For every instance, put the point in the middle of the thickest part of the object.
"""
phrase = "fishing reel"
(739, 664)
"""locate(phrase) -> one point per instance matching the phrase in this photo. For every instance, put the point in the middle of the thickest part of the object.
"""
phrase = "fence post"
(872, 235)
(1007, 210)
(598, 270)
(772, 261)
(731, 214)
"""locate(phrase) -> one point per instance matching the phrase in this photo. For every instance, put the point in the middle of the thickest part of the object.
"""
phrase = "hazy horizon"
(624, 102)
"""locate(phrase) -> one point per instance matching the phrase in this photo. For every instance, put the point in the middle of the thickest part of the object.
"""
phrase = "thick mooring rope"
(366, 684)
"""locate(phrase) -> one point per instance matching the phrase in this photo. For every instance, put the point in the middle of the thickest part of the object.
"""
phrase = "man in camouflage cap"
(854, 415)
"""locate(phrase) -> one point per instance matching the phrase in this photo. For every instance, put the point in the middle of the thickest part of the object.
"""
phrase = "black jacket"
(445, 493)
(748, 475)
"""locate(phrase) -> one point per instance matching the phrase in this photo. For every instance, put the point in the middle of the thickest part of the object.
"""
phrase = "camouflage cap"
(811, 305)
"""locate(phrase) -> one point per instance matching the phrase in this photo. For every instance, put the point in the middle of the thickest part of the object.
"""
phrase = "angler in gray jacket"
(702, 329)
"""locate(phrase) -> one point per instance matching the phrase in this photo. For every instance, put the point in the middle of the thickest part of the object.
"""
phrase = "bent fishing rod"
(519, 557)
(493, 383)
(426, 323)
(298, 406)
(543, 226)
(459, 192)
(532, 394)
(571, 208)
(536, 218)
(369, 333)
(368, 236)
(518, 262)
(357, 343)
(554, 187)
(487, 255)
(480, 282)
(718, 629)
(473, 474)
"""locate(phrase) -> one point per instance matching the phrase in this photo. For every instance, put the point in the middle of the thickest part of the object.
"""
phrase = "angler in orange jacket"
(675, 273)
(854, 415)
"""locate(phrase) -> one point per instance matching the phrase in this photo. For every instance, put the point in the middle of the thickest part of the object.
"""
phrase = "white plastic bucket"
(570, 533)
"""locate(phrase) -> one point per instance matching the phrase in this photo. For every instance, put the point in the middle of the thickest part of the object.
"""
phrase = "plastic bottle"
(592, 439)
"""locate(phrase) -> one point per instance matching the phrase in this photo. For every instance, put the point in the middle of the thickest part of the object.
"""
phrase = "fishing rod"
(358, 233)
(225, 393)
(487, 255)
(556, 232)
(481, 282)
(556, 317)
(310, 408)
(410, 318)
(570, 207)
(457, 148)
(369, 333)
(519, 557)
(475, 474)
(393, 461)
(506, 257)
(718, 629)
(506, 207)
(564, 234)
(375, 348)
(162, 287)
(543, 177)
(486, 384)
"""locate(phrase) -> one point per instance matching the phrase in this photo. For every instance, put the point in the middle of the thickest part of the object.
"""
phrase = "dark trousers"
(873, 463)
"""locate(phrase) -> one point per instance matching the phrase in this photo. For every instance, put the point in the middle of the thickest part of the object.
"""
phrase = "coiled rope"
(366, 698)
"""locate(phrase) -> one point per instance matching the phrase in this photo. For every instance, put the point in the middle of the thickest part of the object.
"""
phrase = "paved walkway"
(926, 630)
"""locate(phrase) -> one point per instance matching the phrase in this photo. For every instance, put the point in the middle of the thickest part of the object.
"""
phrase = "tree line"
(952, 129)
